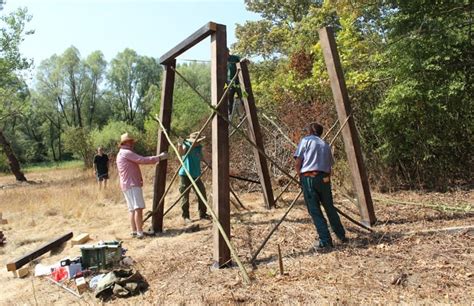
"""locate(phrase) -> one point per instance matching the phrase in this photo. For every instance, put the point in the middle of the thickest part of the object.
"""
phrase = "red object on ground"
(59, 274)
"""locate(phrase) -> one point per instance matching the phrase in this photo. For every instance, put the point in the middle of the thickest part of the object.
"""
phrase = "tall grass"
(44, 166)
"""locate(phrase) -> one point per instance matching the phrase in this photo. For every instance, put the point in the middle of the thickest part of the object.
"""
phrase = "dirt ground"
(401, 262)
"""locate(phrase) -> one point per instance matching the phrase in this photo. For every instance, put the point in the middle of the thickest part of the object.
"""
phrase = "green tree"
(130, 77)
(426, 118)
(12, 89)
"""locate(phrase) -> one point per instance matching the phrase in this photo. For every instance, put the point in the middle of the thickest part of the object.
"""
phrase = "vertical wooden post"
(255, 133)
(220, 146)
(162, 146)
(349, 132)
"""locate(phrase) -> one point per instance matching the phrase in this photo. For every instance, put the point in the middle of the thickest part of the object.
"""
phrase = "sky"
(150, 27)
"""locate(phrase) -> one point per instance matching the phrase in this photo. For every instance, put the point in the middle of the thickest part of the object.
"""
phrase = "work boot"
(323, 248)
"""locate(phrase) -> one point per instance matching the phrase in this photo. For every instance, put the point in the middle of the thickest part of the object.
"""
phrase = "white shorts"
(134, 198)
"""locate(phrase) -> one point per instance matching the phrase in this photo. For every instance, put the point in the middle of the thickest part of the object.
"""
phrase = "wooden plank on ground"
(189, 42)
(20, 262)
(22, 272)
(349, 132)
(80, 239)
(255, 134)
(162, 146)
(220, 147)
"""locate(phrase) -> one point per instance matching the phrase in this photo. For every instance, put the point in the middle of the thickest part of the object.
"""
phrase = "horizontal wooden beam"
(18, 263)
(189, 42)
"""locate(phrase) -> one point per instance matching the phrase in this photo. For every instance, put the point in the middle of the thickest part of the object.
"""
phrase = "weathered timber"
(80, 239)
(162, 146)
(20, 262)
(255, 134)
(189, 42)
(349, 133)
(220, 147)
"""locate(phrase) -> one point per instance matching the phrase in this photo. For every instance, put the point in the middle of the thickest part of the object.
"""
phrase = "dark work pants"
(317, 192)
(185, 182)
(231, 93)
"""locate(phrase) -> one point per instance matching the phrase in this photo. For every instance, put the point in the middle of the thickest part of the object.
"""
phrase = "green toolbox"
(101, 256)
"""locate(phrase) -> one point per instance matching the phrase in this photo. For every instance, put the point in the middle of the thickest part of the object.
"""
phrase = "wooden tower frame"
(220, 135)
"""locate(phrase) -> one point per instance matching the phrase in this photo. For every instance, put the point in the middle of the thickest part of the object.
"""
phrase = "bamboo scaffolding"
(209, 119)
(234, 254)
(224, 117)
(149, 214)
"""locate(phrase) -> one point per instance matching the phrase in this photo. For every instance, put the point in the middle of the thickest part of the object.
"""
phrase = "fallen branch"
(440, 207)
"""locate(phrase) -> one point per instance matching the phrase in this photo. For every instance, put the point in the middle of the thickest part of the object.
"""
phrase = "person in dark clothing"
(232, 61)
(101, 167)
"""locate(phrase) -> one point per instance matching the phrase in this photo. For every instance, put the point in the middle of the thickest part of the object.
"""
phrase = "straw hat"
(126, 137)
(193, 136)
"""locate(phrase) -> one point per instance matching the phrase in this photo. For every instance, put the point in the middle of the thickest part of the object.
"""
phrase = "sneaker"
(133, 234)
(140, 236)
(205, 217)
(322, 249)
(187, 221)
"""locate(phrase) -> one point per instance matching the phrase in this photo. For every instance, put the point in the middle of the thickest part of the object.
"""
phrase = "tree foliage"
(408, 67)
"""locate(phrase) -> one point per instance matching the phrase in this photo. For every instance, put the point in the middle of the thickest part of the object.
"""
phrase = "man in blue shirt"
(313, 163)
(193, 165)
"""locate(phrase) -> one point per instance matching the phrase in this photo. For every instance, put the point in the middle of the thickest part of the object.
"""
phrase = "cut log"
(20, 262)
(80, 239)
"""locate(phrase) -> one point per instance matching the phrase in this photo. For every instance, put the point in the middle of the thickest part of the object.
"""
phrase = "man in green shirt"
(192, 162)
(232, 61)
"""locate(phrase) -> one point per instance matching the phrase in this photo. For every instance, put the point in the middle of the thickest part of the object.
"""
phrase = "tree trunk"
(13, 161)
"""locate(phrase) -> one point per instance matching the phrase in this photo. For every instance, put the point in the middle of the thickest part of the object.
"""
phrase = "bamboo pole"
(189, 187)
(252, 260)
(184, 192)
(224, 117)
(279, 130)
(211, 211)
(285, 189)
(237, 198)
(209, 119)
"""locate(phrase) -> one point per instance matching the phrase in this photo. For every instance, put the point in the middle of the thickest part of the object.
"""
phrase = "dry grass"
(388, 266)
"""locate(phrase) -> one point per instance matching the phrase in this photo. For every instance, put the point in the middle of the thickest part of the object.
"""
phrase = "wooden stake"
(280, 261)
